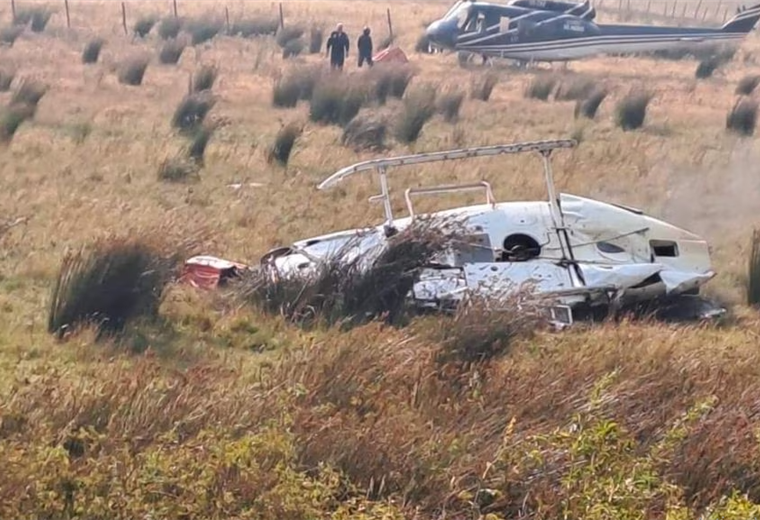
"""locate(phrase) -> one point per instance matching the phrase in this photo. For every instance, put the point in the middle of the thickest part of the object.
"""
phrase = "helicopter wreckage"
(579, 258)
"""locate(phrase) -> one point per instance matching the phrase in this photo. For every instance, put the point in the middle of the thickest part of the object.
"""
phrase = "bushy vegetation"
(753, 270)
(204, 78)
(541, 87)
(295, 85)
(334, 101)
(316, 38)
(171, 51)
(203, 29)
(110, 283)
(29, 93)
(132, 71)
(448, 105)
(742, 118)
(747, 85)
(178, 169)
(419, 107)
(577, 88)
(283, 144)
(631, 110)
(192, 110)
(7, 76)
(9, 35)
(144, 25)
(169, 28)
(11, 118)
(588, 107)
(254, 27)
(365, 132)
(36, 18)
(482, 86)
(91, 51)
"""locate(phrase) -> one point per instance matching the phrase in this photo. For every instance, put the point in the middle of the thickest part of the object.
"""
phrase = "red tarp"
(208, 272)
(392, 54)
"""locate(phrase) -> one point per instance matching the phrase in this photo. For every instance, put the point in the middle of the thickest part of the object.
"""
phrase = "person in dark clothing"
(337, 47)
(364, 44)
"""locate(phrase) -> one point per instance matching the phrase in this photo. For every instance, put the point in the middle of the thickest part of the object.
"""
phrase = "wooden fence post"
(124, 17)
(390, 24)
(68, 18)
(673, 12)
(13, 10)
(696, 11)
(175, 8)
(282, 18)
(227, 17)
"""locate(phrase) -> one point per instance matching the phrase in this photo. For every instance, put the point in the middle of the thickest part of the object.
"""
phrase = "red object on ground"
(392, 54)
(208, 272)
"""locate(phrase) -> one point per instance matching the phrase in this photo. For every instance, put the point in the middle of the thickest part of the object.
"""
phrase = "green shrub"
(747, 85)
(293, 48)
(316, 37)
(448, 105)
(335, 102)
(9, 35)
(203, 30)
(297, 84)
(287, 34)
(11, 118)
(365, 133)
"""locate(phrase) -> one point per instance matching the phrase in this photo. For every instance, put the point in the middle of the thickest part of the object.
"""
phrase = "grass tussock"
(365, 132)
(199, 140)
(334, 101)
(576, 88)
(203, 30)
(29, 92)
(91, 51)
(742, 118)
(11, 119)
(747, 85)
(171, 51)
(589, 106)
(710, 63)
(132, 71)
(283, 144)
(247, 28)
(36, 17)
(482, 86)
(541, 87)
(169, 28)
(192, 111)
(295, 85)
(351, 288)
(753, 270)
(288, 34)
(9, 35)
(386, 80)
(293, 48)
(419, 107)
(179, 169)
(109, 283)
(422, 45)
(7, 75)
(316, 39)
(449, 104)
(630, 112)
(144, 25)
(204, 78)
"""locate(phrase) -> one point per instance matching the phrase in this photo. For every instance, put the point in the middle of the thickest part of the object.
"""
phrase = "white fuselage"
(612, 249)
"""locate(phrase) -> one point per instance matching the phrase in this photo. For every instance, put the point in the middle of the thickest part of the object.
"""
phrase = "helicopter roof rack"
(544, 148)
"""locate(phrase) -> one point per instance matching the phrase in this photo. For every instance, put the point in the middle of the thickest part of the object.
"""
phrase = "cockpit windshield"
(461, 12)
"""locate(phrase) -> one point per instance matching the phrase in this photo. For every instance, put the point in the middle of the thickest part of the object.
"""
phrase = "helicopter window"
(606, 247)
(504, 24)
(520, 248)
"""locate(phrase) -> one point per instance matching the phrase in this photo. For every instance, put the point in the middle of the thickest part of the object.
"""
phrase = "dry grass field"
(219, 410)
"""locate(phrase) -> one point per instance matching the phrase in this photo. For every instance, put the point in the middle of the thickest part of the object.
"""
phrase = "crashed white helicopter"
(577, 254)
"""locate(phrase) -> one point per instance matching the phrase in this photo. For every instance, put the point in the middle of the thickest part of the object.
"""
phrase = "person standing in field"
(364, 44)
(337, 47)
